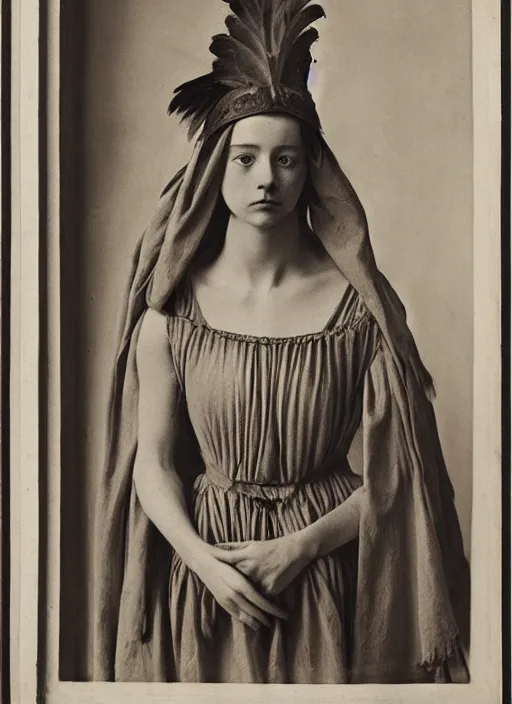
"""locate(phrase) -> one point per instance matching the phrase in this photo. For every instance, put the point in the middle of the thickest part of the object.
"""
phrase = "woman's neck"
(261, 257)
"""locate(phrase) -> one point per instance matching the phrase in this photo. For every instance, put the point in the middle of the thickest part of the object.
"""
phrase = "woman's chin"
(265, 219)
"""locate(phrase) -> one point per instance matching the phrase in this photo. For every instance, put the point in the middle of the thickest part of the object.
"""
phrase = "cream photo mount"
(35, 401)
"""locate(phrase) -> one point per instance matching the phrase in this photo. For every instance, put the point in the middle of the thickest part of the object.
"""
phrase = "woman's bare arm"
(159, 486)
(336, 528)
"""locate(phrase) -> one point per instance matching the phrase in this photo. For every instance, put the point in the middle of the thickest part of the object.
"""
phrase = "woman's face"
(266, 169)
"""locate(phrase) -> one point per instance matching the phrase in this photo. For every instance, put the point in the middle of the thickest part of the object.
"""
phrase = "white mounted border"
(485, 687)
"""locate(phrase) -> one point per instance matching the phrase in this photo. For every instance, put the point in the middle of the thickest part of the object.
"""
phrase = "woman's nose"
(265, 174)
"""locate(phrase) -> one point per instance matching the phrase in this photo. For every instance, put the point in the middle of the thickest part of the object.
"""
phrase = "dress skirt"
(313, 644)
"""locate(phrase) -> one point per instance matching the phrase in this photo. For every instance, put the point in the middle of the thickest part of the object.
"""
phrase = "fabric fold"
(406, 566)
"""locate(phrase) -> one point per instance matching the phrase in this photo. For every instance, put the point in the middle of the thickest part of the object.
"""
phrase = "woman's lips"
(266, 203)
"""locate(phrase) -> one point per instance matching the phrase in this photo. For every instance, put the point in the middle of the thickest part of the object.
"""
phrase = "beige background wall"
(392, 86)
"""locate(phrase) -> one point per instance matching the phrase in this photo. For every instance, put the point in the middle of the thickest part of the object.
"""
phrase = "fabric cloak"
(412, 605)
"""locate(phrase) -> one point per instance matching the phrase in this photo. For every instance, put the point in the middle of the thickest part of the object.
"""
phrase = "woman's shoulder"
(152, 337)
(321, 272)
(181, 301)
(327, 281)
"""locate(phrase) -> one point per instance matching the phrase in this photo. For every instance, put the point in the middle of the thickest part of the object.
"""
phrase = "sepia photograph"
(268, 351)
(234, 541)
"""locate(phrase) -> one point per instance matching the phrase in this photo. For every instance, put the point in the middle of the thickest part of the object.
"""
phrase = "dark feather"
(249, 11)
(287, 11)
(296, 42)
(242, 33)
(237, 62)
(268, 29)
(268, 45)
(298, 60)
(302, 21)
(291, 8)
(191, 93)
(194, 99)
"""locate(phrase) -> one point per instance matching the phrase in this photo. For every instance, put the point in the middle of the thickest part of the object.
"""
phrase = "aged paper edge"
(486, 522)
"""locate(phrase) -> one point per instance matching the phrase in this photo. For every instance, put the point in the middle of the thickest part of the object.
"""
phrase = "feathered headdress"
(262, 65)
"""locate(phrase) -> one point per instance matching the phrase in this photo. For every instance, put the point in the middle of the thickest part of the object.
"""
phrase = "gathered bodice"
(272, 410)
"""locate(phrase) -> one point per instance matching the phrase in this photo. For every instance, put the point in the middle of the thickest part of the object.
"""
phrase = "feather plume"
(268, 45)
(194, 99)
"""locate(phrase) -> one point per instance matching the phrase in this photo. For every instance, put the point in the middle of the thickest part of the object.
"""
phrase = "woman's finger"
(230, 557)
(246, 568)
(249, 621)
(241, 609)
(252, 595)
(250, 610)
(231, 546)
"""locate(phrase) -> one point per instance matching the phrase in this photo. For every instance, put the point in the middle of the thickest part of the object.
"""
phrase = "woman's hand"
(272, 564)
(235, 593)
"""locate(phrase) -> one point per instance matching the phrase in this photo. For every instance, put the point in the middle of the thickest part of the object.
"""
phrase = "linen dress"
(274, 419)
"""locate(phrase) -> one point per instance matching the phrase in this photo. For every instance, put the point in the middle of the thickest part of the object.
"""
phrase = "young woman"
(235, 542)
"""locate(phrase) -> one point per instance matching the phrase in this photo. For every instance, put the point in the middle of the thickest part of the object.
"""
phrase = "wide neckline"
(327, 331)
(340, 329)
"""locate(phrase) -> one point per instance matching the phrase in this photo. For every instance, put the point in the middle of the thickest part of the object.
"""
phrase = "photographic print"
(233, 541)
(263, 417)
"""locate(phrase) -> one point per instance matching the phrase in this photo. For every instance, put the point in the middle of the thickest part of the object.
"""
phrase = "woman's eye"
(286, 160)
(245, 159)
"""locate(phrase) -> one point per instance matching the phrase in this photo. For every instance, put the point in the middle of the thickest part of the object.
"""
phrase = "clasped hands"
(242, 575)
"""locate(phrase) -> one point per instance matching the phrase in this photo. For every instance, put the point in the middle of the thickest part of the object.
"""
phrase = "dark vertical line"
(5, 327)
(43, 342)
(74, 572)
(505, 322)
